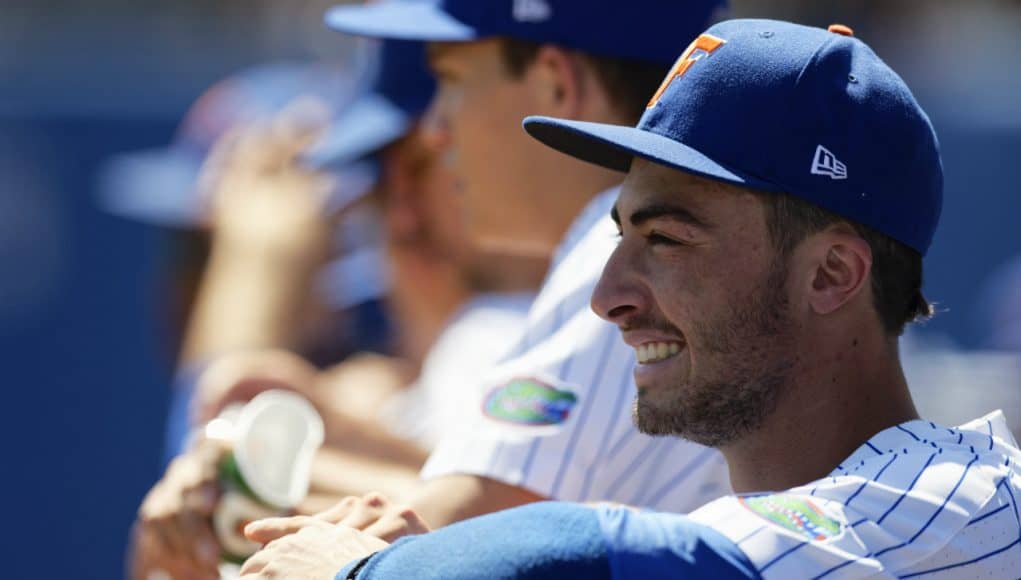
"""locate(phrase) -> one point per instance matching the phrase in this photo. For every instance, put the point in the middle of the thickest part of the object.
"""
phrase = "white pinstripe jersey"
(555, 416)
(915, 501)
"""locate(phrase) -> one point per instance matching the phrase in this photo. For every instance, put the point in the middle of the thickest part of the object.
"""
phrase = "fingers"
(338, 512)
(279, 546)
(366, 511)
(400, 522)
(273, 144)
(377, 516)
(174, 517)
(267, 530)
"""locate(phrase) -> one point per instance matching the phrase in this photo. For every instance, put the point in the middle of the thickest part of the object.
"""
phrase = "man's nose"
(617, 296)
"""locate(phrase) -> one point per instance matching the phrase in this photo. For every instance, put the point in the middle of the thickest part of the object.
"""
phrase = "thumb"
(266, 530)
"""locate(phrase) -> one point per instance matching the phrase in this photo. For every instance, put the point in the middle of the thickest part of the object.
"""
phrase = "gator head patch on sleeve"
(529, 402)
(796, 514)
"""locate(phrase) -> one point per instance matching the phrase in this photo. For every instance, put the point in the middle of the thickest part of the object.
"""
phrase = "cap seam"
(813, 58)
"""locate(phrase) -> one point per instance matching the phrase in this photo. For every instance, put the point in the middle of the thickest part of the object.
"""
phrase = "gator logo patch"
(529, 402)
(795, 514)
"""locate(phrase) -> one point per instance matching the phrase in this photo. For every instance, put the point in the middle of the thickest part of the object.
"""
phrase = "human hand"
(317, 551)
(240, 376)
(257, 189)
(173, 531)
(372, 513)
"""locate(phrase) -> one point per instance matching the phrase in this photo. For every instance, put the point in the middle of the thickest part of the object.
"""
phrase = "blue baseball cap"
(159, 186)
(780, 107)
(398, 92)
(645, 30)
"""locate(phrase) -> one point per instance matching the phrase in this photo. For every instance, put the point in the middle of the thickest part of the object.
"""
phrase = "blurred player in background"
(256, 282)
(441, 291)
(770, 256)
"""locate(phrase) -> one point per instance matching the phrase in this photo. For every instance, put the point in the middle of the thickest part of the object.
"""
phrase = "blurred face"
(474, 125)
(695, 289)
(422, 210)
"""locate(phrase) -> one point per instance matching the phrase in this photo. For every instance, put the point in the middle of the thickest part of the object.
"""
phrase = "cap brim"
(422, 21)
(369, 124)
(614, 146)
(155, 187)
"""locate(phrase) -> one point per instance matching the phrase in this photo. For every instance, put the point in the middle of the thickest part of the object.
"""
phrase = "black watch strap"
(353, 574)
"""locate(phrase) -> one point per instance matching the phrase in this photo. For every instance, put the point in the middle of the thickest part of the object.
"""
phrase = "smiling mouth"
(653, 352)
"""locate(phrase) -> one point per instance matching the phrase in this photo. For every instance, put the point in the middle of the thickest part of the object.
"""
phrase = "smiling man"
(783, 186)
(549, 422)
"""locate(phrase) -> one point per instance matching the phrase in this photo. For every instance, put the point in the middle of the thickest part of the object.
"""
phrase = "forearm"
(369, 438)
(251, 296)
(445, 500)
(339, 473)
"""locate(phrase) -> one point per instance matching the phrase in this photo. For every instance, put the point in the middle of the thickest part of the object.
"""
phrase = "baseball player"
(551, 420)
(431, 271)
(782, 188)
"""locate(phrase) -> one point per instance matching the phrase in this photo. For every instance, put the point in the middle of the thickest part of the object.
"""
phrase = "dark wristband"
(352, 575)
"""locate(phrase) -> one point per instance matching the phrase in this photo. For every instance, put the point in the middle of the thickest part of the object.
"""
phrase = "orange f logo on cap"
(703, 46)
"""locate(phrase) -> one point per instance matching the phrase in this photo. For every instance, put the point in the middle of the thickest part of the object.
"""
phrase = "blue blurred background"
(86, 337)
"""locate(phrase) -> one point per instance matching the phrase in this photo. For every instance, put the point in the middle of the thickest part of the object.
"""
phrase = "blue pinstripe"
(526, 467)
(590, 400)
(752, 533)
(619, 445)
(913, 436)
(782, 555)
(704, 456)
(590, 474)
(906, 491)
(992, 513)
(938, 511)
(632, 468)
(878, 475)
(663, 450)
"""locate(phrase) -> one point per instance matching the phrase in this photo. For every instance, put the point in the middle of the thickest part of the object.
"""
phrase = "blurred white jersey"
(478, 336)
(915, 501)
(555, 416)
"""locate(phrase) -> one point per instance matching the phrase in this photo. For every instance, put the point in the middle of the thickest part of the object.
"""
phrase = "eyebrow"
(660, 210)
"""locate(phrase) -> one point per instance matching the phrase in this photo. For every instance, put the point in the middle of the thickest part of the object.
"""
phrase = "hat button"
(841, 29)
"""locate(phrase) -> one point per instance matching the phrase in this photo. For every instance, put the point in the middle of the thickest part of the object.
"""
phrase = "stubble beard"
(753, 358)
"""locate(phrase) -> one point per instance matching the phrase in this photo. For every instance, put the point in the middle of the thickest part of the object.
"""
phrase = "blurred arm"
(452, 498)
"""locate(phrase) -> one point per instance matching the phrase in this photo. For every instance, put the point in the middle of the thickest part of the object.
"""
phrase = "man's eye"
(657, 239)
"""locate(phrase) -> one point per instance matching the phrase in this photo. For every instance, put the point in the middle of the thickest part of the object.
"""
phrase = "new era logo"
(532, 10)
(826, 163)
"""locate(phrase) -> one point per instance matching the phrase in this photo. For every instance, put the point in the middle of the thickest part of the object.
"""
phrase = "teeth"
(656, 351)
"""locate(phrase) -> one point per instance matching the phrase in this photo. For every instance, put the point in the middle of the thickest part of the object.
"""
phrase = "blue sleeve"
(543, 540)
(652, 545)
(562, 540)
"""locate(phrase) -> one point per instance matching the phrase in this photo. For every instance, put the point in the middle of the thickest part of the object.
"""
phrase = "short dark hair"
(629, 83)
(896, 268)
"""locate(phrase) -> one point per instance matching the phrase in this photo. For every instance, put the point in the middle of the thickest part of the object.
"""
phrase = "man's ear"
(557, 79)
(840, 263)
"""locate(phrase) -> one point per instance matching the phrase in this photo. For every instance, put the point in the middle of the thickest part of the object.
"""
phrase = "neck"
(847, 392)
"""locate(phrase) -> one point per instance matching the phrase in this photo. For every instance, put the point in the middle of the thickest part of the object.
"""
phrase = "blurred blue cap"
(158, 186)
(781, 107)
(399, 93)
(645, 30)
